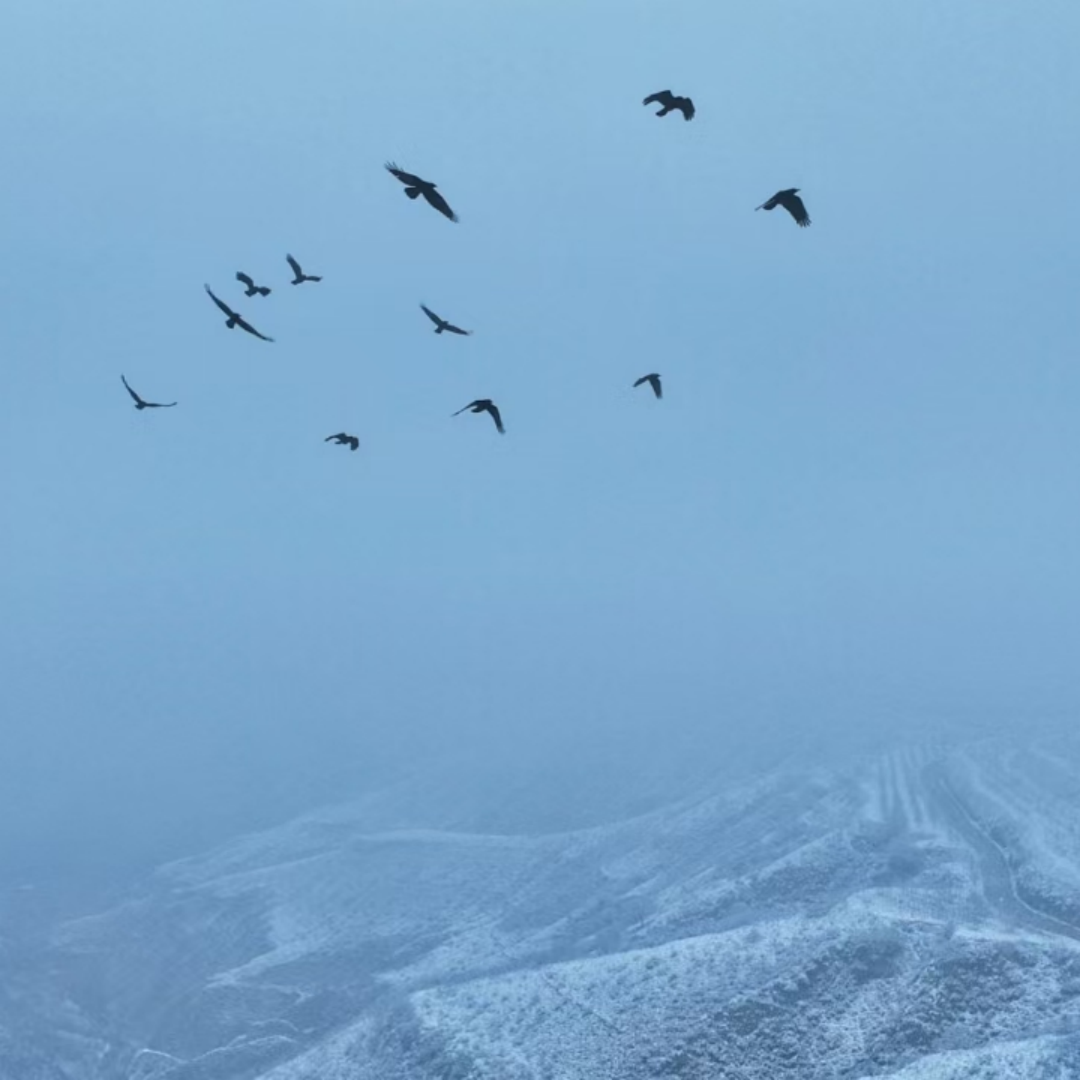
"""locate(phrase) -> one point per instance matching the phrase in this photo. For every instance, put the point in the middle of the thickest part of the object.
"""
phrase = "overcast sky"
(857, 504)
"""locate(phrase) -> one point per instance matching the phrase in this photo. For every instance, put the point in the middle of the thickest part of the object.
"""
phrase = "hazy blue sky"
(859, 498)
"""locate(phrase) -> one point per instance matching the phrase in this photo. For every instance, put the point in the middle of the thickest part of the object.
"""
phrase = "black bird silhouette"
(442, 324)
(342, 439)
(671, 101)
(654, 381)
(252, 289)
(140, 403)
(790, 202)
(488, 406)
(301, 277)
(234, 319)
(416, 187)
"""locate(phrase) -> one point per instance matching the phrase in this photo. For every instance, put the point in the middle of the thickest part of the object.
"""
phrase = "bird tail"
(263, 290)
(412, 192)
(438, 329)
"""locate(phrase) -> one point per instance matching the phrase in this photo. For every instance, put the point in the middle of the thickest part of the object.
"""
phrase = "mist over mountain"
(910, 912)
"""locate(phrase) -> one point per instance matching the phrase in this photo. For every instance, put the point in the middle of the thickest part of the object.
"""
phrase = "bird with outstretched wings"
(484, 405)
(441, 324)
(654, 381)
(232, 318)
(344, 439)
(790, 201)
(300, 276)
(669, 101)
(415, 187)
(141, 403)
(252, 289)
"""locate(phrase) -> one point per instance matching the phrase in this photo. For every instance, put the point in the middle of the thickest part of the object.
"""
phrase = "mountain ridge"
(900, 912)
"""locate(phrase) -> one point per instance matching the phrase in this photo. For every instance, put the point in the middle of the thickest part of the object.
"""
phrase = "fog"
(853, 517)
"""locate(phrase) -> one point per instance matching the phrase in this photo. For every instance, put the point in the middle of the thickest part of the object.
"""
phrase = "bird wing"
(661, 97)
(431, 314)
(295, 265)
(654, 382)
(354, 443)
(245, 325)
(435, 198)
(494, 410)
(644, 378)
(404, 177)
(797, 209)
(221, 303)
(246, 279)
(464, 407)
(339, 436)
(130, 391)
(687, 107)
(457, 330)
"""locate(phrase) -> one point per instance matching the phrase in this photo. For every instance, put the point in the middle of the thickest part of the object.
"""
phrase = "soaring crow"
(342, 439)
(301, 277)
(790, 202)
(252, 289)
(415, 187)
(442, 324)
(488, 406)
(654, 381)
(234, 319)
(671, 101)
(140, 404)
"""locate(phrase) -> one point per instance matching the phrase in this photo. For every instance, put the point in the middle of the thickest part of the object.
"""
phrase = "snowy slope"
(908, 915)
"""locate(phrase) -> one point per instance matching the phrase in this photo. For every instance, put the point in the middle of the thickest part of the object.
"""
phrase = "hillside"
(912, 914)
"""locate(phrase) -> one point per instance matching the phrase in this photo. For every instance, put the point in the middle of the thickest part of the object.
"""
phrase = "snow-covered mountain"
(913, 914)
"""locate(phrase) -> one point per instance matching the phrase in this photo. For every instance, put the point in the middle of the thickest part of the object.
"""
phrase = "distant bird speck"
(441, 324)
(654, 381)
(416, 187)
(791, 202)
(485, 405)
(670, 101)
(252, 289)
(140, 403)
(343, 439)
(233, 319)
(300, 277)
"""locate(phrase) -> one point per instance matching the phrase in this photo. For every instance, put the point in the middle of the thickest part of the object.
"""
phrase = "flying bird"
(342, 439)
(415, 187)
(442, 324)
(234, 319)
(301, 277)
(654, 381)
(488, 406)
(140, 403)
(252, 289)
(670, 101)
(790, 202)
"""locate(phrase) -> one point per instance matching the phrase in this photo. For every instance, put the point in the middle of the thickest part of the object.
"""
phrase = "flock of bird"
(416, 187)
